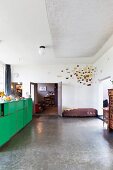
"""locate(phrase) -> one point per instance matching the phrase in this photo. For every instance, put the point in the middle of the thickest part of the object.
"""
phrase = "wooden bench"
(80, 112)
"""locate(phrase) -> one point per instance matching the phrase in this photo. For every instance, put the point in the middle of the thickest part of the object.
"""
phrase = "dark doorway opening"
(47, 99)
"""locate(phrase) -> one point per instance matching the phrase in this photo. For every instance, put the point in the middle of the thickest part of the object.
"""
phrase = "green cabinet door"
(19, 105)
(29, 116)
(12, 107)
(13, 124)
(6, 108)
(25, 101)
(20, 123)
(9, 108)
(0, 110)
(30, 109)
(4, 130)
(25, 117)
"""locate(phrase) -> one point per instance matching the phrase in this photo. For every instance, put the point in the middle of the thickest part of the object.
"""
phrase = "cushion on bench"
(80, 112)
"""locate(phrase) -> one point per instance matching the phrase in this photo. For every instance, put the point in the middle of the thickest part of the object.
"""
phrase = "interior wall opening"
(105, 84)
(47, 94)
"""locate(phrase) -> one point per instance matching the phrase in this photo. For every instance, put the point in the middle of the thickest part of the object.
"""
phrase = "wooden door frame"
(35, 94)
(60, 98)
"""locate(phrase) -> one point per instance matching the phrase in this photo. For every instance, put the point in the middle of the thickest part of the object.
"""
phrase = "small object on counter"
(2, 93)
(8, 98)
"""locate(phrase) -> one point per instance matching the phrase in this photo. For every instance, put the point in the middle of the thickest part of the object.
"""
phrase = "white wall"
(104, 69)
(74, 95)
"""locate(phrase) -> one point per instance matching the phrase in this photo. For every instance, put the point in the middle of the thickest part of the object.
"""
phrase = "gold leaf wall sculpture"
(83, 74)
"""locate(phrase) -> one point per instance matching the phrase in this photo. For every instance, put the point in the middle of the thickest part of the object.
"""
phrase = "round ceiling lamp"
(41, 50)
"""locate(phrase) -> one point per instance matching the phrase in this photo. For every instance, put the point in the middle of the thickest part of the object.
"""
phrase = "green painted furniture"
(4, 130)
(14, 116)
(0, 111)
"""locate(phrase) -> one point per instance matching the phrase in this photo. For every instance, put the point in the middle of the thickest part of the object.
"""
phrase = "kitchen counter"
(14, 115)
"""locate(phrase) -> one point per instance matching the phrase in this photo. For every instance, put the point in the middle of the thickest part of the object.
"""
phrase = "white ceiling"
(72, 30)
(79, 27)
(23, 28)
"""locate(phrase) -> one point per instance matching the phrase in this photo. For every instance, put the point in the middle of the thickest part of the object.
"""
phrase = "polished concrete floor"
(50, 111)
(51, 143)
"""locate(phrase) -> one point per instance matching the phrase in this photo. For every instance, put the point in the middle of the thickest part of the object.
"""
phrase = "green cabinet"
(12, 107)
(6, 108)
(0, 110)
(27, 111)
(30, 109)
(13, 124)
(20, 120)
(4, 130)
(9, 107)
(25, 117)
(19, 105)
(14, 116)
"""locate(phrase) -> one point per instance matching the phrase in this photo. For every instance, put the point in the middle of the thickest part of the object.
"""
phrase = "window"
(2, 78)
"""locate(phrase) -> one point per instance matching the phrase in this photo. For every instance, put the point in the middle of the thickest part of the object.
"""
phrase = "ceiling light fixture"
(41, 50)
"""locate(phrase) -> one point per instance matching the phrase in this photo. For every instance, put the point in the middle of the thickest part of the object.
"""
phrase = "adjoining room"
(48, 98)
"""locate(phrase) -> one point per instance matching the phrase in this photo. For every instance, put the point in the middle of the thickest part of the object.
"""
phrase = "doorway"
(104, 85)
(47, 98)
